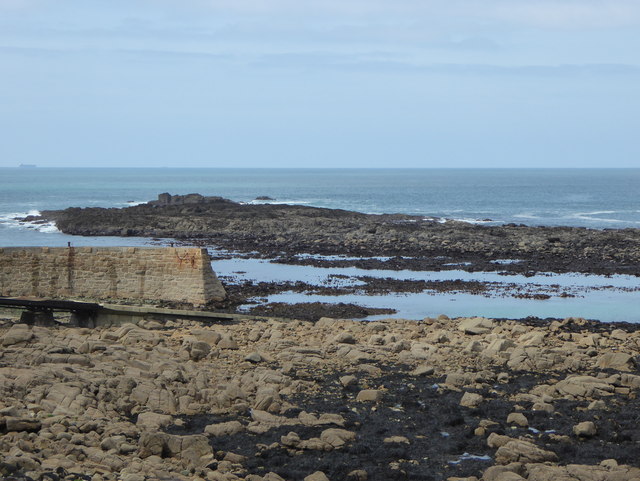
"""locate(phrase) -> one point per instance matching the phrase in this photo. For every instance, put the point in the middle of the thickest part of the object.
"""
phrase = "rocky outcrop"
(292, 229)
(337, 399)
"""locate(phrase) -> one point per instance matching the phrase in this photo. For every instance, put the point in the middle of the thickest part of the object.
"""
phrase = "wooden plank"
(32, 303)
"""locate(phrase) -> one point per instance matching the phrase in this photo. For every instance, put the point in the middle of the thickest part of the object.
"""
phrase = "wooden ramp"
(87, 314)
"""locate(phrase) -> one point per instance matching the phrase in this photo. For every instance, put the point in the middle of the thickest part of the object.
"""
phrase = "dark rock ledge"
(410, 241)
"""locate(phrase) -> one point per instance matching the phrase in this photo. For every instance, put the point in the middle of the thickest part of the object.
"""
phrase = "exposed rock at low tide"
(425, 243)
(336, 399)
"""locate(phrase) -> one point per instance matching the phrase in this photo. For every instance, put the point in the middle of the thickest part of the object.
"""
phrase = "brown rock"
(349, 380)
(344, 338)
(369, 395)
(253, 357)
(317, 476)
(224, 429)
(153, 421)
(509, 476)
(497, 473)
(396, 440)
(272, 477)
(423, 370)
(291, 440)
(519, 419)
(210, 337)
(520, 451)
(19, 333)
(227, 342)
(337, 437)
(542, 406)
(152, 444)
(199, 350)
(497, 440)
(476, 325)
(585, 429)
(471, 400)
(616, 360)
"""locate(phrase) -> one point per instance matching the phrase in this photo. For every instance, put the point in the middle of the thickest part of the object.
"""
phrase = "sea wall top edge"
(96, 248)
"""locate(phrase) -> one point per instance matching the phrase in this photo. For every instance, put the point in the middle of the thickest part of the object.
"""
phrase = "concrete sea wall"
(113, 273)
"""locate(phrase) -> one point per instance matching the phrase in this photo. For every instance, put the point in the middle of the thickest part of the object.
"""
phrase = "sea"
(591, 198)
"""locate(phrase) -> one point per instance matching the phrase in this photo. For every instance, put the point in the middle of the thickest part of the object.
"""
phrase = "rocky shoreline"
(404, 242)
(438, 399)
(329, 398)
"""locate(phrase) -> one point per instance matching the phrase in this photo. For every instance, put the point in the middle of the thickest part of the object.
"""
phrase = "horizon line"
(32, 167)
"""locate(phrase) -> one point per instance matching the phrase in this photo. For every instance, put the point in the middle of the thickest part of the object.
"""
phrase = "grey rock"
(254, 357)
(23, 424)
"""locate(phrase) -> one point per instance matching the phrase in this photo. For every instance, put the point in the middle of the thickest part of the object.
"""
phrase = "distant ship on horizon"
(28, 166)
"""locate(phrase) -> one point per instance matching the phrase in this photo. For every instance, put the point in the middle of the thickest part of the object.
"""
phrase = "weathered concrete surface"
(146, 273)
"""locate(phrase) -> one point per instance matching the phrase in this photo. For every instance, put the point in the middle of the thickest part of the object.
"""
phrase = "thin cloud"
(569, 14)
(372, 61)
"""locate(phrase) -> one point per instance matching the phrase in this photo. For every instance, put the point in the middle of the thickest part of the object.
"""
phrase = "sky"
(320, 83)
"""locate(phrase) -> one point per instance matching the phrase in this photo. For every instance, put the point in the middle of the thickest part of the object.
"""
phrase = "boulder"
(471, 400)
(476, 325)
(224, 429)
(519, 419)
(497, 440)
(210, 337)
(152, 444)
(337, 437)
(423, 370)
(619, 361)
(253, 357)
(578, 472)
(531, 338)
(348, 380)
(308, 419)
(317, 476)
(153, 421)
(191, 449)
(584, 386)
(344, 338)
(19, 333)
(113, 443)
(504, 473)
(369, 395)
(22, 424)
(586, 429)
(227, 342)
(198, 350)
(520, 451)
(497, 346)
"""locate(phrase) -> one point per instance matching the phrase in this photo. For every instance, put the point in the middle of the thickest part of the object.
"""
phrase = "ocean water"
(593, 198)
(606, 298)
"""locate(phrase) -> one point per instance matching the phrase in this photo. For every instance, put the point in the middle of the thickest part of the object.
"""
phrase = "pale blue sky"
(320, 83)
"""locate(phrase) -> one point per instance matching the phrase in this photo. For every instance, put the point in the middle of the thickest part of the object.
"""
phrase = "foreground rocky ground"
(337, 399)
(411, 242)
